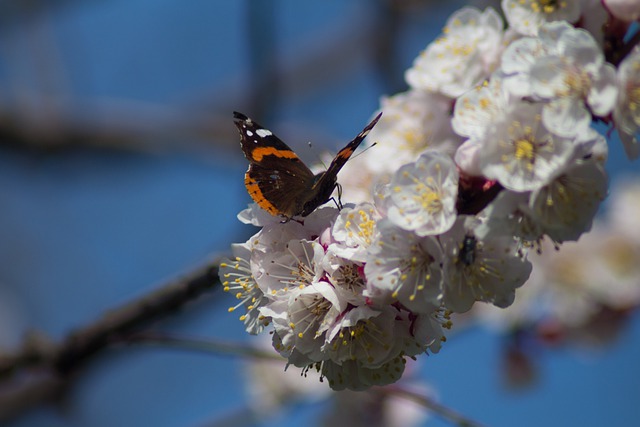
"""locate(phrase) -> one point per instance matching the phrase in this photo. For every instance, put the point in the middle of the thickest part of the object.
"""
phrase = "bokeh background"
(120, 169)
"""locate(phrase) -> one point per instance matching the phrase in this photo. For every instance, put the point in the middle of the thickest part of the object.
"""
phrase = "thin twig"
(203, 345)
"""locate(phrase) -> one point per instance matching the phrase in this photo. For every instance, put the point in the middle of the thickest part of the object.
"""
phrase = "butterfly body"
(277, 180)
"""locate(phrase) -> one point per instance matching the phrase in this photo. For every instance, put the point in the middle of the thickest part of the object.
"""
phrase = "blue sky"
(86, 230)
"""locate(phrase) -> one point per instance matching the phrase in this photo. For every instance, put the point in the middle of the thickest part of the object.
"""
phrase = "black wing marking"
(253, 136)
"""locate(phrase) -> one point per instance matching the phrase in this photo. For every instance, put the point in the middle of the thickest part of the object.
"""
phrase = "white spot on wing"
(263, 132)
(249, 133)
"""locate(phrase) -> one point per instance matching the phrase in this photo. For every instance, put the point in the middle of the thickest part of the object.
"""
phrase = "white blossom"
(467, 157)
(625, 10)
(516, 63)
(527, 16)
(562, 210)
(236, 277)
(425, 331)
(521, 153)
(573, 78)
(354, 230)
(510, 212)
(626, 114)
(481, 265)
(347, 277)
(573, 284)
(275, 235)
(257, 216)
(406, 267)
(309, 313)
(466, 53)
(564, 67)
(565, 208)
(475, 112)
(352, 375)
(365, 335)
(422, 195)
(478, 108)
(296, 265)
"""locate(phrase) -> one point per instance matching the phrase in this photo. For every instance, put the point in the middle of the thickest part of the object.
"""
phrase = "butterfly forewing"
(276, 179)
(343, 155)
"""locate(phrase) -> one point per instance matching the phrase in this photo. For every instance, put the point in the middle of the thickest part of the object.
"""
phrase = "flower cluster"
(308, 282)
(490, 153)
(570, 289)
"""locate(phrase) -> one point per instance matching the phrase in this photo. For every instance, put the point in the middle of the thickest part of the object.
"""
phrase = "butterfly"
(277, 180)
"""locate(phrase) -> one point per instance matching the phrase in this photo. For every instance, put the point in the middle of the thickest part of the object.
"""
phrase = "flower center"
(577, 83)
(525, 150)
(633, 94)
(351, 279)
(362, 229)
(429, 199)
(547, 6)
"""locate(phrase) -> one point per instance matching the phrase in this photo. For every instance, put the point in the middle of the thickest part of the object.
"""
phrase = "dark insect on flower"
(467, 254)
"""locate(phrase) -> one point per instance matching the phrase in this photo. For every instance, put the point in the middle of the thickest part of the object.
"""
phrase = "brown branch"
(114, 124)
(41, 370)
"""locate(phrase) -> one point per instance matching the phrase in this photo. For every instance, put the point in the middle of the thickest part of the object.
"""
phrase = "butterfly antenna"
(319, 157)
(364, 151)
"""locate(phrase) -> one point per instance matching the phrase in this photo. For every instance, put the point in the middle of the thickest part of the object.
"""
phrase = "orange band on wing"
(257, 196)
(258, 153)
(345, 153)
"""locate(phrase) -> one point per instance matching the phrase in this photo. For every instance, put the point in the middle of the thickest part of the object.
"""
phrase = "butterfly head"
(320, 192)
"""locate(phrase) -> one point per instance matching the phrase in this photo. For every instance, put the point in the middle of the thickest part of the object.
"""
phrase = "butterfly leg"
(339, 201)
(287, 219)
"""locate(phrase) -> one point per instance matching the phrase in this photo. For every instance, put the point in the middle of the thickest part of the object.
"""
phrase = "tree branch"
(438, 409)
(41, 370)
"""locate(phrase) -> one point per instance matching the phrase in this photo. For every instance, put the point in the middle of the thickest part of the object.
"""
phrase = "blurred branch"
(115, 125)
(390, 17)
(54, 124)
(438, 409)
(263, 57)
(41, 370)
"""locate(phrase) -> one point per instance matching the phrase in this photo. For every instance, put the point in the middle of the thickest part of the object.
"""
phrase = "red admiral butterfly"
(277, 180)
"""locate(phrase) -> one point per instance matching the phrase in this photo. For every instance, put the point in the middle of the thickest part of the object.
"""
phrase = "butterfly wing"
(277, 180)
(325, 182)
(344, 154)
